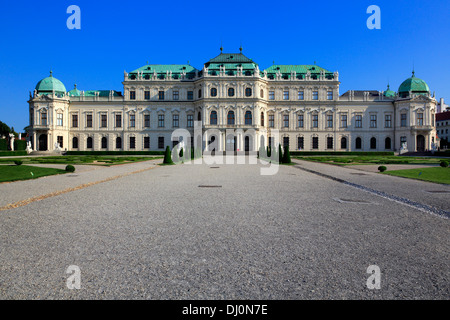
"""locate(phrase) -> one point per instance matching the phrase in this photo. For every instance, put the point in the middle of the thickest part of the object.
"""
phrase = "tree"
(168, 156)
(280, 154)
(5, 130)
(287, 155)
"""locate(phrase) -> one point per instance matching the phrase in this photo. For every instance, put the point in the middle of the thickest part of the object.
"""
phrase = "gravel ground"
(158, 235)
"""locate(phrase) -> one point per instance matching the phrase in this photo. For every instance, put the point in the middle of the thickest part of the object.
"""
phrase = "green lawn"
(353, 160)
(15, 173)
(77, 160)
(434, 174)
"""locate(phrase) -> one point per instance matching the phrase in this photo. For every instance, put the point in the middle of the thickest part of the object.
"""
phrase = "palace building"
(231, 92)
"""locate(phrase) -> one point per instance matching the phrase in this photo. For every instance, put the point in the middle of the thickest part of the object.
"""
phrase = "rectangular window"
(388, 121)
(329, 142)
(118, 121)
(132, 120)
(315, 121)
(343, 121)
(132, 142)
(174, 143)
(161, 121)
(420, 119)
(373, 121)
(358, 121)
(285, 95)
(160, 142)
(59, 119)
(75, 121)
(89, 120)
(147, 95)
(286, 121)
(271, 120)
(146, 120)
(403, 120)
(176, 95)
(300, 121)
(330, 121)
(132, 95)
(190, 121)
(146, 142)
(176, 121)
(329, 95)
(315, 142)
(104, 121)
(161, 95)
(271, 95)
(190, 95)
(301, 95)
(300, 143)
(315, 95)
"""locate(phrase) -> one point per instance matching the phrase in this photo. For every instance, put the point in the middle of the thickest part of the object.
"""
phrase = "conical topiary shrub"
(287, 155)
(181, 154)
(269, 151)
(168, 156)
(280, 154)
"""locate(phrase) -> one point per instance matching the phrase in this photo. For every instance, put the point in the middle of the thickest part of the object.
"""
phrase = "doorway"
(420, 143)
(43, 146)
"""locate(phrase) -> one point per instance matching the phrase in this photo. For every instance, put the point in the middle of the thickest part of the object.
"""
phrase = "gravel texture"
(294, 235)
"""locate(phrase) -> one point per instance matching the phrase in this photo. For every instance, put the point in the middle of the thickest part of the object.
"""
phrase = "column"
(34, 141)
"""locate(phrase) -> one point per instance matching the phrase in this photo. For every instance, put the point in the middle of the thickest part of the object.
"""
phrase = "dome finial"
(221, 47)
(240, 48)
(51, 73)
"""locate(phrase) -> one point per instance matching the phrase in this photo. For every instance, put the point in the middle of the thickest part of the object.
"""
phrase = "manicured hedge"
(20, 145)
(339, 153)
(3, 145)
(12, 153)
(114, 153)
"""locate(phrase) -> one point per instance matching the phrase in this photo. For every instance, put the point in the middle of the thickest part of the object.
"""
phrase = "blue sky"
(124, 35)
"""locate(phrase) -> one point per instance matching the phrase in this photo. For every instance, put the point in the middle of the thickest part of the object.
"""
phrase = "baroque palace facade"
(231, 93)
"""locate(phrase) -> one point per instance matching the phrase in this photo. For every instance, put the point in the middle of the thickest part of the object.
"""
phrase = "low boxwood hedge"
(341, 153)
(114, 153)
(12, 153)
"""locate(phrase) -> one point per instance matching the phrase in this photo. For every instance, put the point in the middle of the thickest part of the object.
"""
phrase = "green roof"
(74, 92)
(301, 71)
(389, 93)
(161, 70)
(49, 85)
(415, 85)
(230, 58)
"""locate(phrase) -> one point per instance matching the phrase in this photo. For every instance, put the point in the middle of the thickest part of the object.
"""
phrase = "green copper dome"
(413, 85)
(389, 93)
(75, 92)
(50, 85)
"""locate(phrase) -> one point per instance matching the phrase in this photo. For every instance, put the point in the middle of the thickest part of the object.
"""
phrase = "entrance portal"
(43, 142)
(420, 143)
(231, 143)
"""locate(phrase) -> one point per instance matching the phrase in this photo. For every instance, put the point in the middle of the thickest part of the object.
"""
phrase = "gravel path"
(158, 235)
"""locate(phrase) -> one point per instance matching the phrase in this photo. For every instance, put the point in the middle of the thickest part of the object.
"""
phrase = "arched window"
(199, 93)
(213, 118)
(262, 119)
(231, 117)
(261, 93)
(248, 118)
(119, 143)
(75, 143)
(358, 143)
(89, 143)
(344, 143)
(199, 117)
(248, 92)
(104, 143)
(213, 92)
(387, 143)
(373, 143)
(231, 92)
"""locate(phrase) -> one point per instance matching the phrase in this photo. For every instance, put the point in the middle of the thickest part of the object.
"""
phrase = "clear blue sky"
(124, 35)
